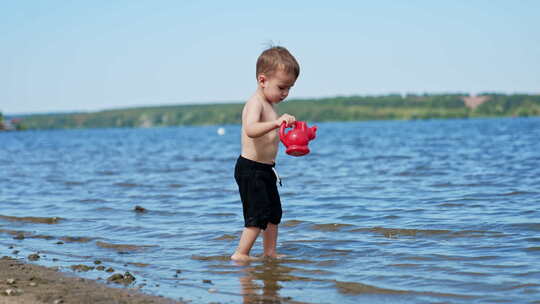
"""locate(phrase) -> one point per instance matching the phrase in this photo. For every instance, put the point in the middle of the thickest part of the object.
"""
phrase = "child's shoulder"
(255, 98)
(254, 102)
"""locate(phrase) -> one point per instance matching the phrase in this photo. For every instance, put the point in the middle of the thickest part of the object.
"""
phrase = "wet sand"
(22, 283)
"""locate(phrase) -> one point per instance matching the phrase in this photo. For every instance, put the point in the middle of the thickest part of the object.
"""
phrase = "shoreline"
(22, 282)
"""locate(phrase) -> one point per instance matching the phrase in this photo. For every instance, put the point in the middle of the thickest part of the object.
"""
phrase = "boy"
(277, 71)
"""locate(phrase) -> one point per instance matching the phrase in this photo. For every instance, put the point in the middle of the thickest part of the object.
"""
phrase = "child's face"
(276, 87)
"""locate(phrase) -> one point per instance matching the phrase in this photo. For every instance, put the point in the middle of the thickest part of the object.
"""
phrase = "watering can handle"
(282, 129)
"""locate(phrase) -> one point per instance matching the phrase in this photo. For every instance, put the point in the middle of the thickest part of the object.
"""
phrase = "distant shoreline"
(352, 108)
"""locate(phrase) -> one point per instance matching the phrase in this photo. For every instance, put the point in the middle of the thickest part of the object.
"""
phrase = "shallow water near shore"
(378, 212)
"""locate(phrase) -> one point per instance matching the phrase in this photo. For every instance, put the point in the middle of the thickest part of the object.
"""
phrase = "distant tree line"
(346, 108)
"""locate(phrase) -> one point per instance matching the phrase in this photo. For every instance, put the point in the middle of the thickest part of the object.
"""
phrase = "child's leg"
(249, 235)
(270, 240)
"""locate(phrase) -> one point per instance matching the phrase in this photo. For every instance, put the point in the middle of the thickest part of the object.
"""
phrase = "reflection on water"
(378, 212)
(260, 283)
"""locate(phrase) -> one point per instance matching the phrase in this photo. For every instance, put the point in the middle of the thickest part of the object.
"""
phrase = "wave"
(32, 219)
(124, 247)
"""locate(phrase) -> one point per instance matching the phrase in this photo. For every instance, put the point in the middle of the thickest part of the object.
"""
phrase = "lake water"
(441, 211)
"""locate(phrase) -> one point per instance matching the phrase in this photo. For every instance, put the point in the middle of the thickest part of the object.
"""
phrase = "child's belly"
(263, 149)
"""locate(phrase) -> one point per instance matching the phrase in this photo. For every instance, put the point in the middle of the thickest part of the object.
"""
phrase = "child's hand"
(288, 119)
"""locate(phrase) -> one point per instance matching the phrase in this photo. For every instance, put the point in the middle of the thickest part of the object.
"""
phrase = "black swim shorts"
(258, 192)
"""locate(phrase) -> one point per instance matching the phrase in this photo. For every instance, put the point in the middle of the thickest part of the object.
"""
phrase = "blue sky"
(58, 56)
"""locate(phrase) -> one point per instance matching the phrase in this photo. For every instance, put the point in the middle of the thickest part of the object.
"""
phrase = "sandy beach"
(24, 283)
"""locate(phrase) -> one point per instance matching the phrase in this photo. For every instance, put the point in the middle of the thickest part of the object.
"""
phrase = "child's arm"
(256, 128)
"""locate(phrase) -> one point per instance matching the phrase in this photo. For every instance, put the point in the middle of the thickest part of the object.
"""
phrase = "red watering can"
(296, 141)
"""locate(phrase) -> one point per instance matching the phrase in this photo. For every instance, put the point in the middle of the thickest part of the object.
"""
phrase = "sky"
(65, 56)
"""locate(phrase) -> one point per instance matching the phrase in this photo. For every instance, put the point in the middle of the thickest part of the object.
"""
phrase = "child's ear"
(261, 79)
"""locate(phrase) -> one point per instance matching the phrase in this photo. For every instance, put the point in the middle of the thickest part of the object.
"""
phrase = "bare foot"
(239, 257)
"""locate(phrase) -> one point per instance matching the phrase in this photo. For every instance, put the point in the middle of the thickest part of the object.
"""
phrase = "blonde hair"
(277, 57)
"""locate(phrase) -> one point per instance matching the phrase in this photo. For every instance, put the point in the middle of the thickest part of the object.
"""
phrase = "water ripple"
(396, 212)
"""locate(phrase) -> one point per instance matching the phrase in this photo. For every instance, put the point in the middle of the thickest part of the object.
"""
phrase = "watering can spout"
(312, 132)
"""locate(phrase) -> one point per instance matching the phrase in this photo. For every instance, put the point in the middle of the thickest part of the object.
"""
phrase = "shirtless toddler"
(277, 71)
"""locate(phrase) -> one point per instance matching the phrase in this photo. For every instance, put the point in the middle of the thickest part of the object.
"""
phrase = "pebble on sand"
(12, 292)
(81, 267)
(126, 278)
(33, 257)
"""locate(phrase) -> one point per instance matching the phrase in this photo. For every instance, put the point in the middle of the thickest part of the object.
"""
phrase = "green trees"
(378, 107)
(510, 105)
(340, 108)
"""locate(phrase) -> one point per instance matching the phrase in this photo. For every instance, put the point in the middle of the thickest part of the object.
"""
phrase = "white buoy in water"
(221, 131)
